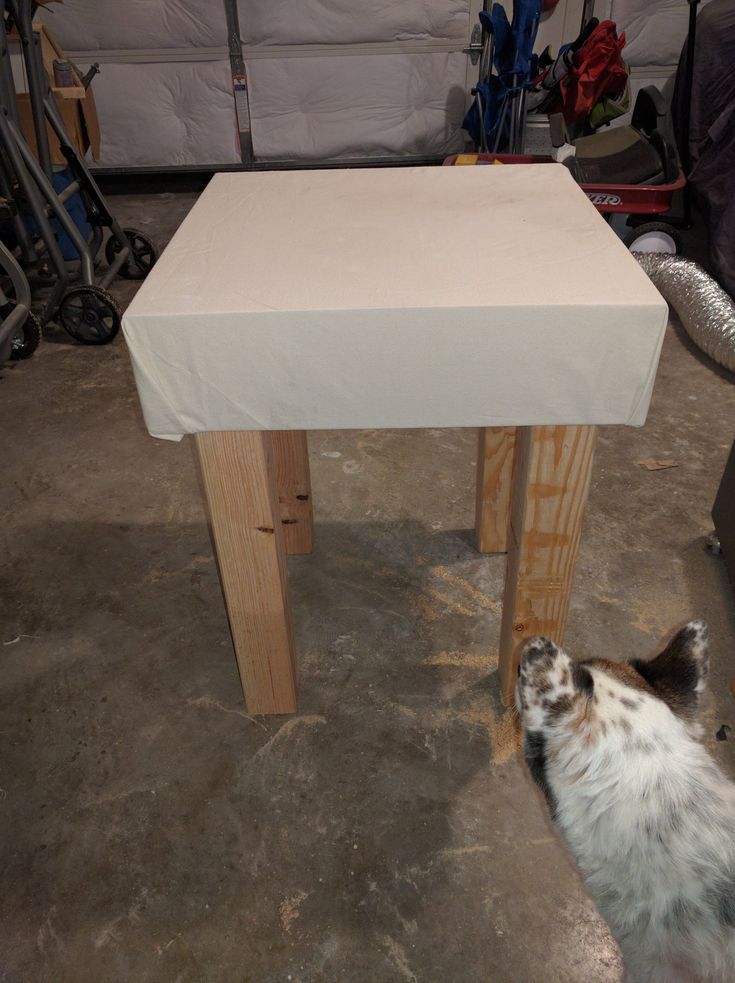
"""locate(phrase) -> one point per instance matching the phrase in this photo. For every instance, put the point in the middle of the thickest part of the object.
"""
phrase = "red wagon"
(648, 154)
(609, 199)
(631, 170)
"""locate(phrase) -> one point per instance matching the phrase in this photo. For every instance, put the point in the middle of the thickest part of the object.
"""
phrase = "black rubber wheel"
(144, 255)
(26, 339)
(90, 315)
(654, 237)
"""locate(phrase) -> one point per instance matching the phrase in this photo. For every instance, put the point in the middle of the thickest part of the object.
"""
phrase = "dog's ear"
(679, 673)
(541, 655)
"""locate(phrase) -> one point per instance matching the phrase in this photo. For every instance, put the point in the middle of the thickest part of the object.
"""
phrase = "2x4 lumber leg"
(551, 478)
(494, 482)
(293, 485)
(239, 485)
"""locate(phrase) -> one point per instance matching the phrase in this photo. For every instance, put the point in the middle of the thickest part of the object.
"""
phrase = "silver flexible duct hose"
(703, 307)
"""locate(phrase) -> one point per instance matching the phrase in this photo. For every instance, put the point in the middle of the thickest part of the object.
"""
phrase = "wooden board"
(723, 514)
(494, 481)
(240, 493)
(293, 485)
(551, 478)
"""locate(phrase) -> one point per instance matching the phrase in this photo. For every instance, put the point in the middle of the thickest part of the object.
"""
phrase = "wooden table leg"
(494, 480)
(240, 492)
(551, 477)
(293, 485)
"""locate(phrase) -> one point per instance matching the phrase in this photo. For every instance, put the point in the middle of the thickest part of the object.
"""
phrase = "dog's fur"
(645, 811)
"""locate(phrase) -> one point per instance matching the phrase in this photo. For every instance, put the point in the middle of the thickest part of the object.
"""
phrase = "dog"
(646, 813)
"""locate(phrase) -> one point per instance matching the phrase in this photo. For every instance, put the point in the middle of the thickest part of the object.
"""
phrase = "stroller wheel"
(90, 315)
(144, 255)
(26, 338)
(654, 237)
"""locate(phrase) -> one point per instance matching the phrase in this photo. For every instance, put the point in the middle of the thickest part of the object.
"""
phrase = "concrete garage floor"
(152, 831)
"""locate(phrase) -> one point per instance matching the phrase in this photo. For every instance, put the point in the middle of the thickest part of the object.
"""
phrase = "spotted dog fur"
(645, 811)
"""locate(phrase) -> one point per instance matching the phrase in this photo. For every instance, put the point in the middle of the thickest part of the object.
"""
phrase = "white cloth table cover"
(402, 297)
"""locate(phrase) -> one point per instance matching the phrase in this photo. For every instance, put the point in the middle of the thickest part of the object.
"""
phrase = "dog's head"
(598, 703)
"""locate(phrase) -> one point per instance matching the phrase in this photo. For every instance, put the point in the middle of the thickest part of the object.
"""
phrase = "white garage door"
(328, 79)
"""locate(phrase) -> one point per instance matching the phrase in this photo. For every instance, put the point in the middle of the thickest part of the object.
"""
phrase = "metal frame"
(26, 180)
(22, 13)
(588, 12)
(239, 82)
(18, 315)
(46, 200)
(687, 114)
(30, 191)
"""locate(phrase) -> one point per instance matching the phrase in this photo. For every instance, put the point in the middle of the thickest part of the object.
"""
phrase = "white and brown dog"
(645, 811)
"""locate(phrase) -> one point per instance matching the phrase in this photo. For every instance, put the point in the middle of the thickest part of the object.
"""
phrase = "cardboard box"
(80, 120)
(75, 104)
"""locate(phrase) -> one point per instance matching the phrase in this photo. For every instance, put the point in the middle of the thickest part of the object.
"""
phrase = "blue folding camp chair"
(496, 119)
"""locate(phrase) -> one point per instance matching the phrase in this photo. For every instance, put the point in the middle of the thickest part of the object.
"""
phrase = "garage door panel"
(346, 22)
(94, 25)
(171, 114)
(655, 31)
(357, 106)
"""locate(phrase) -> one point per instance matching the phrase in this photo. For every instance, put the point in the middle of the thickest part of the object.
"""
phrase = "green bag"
(609, 108)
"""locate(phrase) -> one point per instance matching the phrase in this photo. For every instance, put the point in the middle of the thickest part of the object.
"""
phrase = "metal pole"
(95, 206)
(239, 82)
(7, 86)
(501, 123)
(481, 116)
(38, 209)
(38, 84)
(688, 81)
(588, 12)
(62, 215)
(687, 120)
(19, 227)
(8, 103)
(486, 63)
(22, 300)
(524, 120)
(514, 103)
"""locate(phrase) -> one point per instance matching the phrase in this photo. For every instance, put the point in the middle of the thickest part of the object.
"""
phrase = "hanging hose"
(703, 307)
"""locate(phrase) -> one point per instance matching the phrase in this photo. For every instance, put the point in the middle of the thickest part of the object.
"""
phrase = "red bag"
(597, 69)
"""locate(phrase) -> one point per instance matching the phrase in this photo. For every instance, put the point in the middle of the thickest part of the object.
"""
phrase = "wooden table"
(532, 486)
(347, 299)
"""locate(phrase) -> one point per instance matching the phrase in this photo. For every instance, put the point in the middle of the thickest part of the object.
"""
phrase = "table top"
(394, 297)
